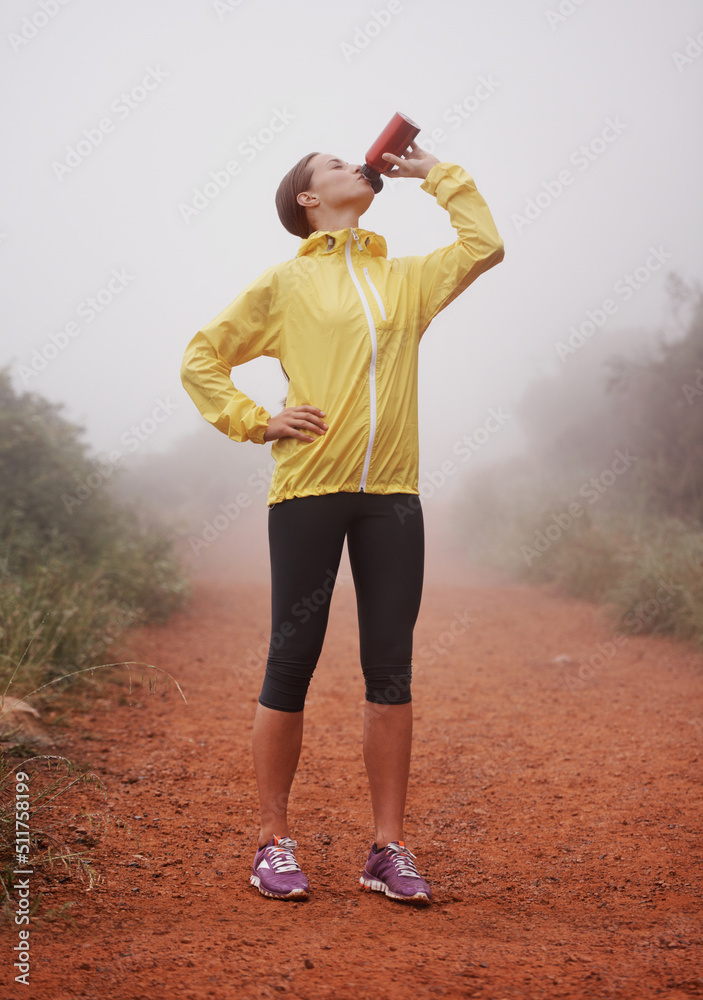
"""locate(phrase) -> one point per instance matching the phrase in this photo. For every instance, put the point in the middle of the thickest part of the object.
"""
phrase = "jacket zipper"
(374, 351)
(376, 295)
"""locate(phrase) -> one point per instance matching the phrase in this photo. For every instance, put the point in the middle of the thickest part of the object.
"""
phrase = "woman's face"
(336, 184)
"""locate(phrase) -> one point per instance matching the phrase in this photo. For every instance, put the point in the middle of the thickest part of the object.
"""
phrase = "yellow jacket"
(346, 324)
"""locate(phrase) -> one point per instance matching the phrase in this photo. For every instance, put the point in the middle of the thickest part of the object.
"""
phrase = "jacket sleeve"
(248, 328)
(444, 274)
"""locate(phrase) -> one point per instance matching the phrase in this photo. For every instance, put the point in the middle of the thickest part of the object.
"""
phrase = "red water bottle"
(395, 138)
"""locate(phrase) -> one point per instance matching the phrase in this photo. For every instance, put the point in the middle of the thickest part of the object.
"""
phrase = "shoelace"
(281, 856)
(402, 857)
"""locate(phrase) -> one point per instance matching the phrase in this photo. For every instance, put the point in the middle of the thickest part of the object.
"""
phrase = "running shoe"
(392, 870)
(275, 871)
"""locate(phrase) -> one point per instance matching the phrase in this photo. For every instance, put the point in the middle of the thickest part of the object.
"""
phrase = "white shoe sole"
(294, 894)
(378, 886)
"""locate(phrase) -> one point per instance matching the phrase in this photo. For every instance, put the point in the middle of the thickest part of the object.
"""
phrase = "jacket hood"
(333, 241)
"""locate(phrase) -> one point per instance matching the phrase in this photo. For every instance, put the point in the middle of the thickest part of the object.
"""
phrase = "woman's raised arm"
(439, 277)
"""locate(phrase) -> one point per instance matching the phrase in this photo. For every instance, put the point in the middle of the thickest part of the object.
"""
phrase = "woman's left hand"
(417, 163)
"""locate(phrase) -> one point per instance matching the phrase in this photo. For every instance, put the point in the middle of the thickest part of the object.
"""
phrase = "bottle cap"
(373, 176)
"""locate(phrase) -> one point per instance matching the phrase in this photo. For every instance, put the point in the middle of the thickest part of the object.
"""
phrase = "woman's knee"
(285, 685)
(388, 685)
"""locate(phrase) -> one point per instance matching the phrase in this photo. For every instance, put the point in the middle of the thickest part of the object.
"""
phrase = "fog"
(580, 123)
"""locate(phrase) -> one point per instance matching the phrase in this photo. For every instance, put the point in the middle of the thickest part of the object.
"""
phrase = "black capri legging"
(386, 545)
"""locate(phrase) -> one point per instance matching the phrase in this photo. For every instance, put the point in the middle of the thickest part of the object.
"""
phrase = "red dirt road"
(558, 823)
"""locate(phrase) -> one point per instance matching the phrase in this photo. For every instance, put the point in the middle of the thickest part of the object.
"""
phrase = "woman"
(345, 323)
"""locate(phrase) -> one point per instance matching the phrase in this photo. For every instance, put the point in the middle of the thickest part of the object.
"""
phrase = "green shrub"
(73, 575)
(639, 534)
(660, 584)
(613, 553)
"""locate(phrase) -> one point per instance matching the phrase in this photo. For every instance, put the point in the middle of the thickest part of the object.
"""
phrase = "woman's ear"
(307, 200)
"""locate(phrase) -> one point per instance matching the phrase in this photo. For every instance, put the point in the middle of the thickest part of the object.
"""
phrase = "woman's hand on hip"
(417, 163)
(294, 421)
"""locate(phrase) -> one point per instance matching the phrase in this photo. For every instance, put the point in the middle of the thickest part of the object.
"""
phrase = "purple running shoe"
(275, 871)
(393, 871)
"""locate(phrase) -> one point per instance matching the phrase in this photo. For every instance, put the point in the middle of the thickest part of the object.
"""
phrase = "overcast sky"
(119, 112)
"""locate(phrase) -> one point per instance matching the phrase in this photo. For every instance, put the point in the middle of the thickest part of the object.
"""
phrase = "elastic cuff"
(256, 433)
(277, 708)
(389, 704)
(430, 184)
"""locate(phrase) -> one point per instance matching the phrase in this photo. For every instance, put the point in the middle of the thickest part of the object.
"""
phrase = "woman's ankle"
(279, 831)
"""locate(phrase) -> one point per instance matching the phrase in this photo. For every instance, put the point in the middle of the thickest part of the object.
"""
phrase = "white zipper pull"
(357, 240)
